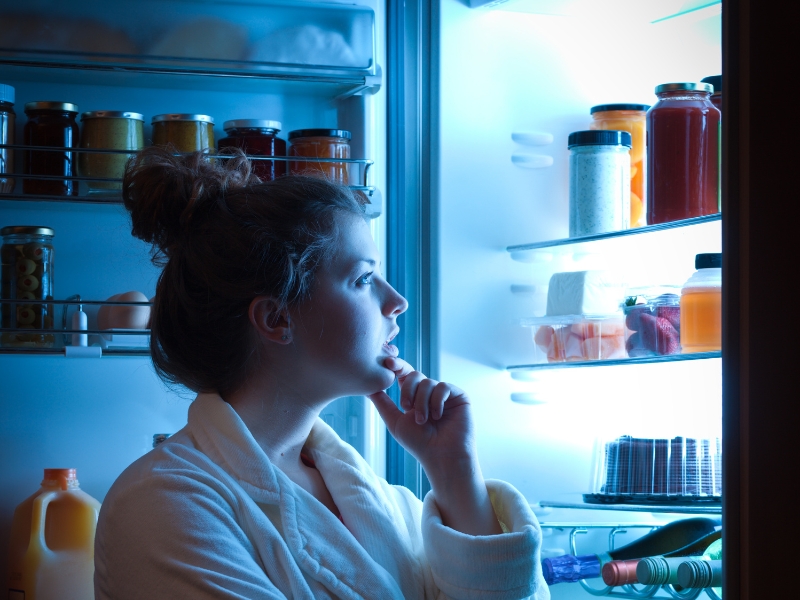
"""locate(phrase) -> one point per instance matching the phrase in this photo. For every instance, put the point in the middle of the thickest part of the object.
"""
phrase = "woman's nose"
(395, 304)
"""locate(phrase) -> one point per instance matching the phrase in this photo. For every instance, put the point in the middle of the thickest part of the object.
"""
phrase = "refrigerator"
(438, 95)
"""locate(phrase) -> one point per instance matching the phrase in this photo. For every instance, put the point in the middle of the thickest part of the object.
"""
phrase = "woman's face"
(345, 328)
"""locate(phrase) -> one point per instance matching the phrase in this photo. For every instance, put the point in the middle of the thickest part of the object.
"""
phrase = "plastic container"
(653, 323)
(599, 182)
(185, 132)
(50, 124)
(682, 153)
(51, 554)
(577, 338)
(701, 306)
(257, 137)
(630, 118)
(7, 124)
(27, 274)
(109, 130)
(646, 470)
(320, 143)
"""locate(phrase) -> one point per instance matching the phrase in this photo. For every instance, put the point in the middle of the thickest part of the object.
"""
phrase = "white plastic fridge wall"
(504, 72)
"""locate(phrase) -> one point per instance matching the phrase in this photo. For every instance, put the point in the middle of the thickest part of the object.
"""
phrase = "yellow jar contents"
(630, 118)
(108, 130)
(186, 133)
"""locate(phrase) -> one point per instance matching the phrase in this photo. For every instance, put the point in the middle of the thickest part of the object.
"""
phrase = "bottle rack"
(357, 171)
(634, 591)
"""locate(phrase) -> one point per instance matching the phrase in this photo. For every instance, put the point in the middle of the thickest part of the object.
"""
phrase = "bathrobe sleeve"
(496, 567)
(183, 540)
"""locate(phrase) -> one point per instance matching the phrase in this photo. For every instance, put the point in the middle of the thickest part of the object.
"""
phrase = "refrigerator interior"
(99, 414)
(538, 66)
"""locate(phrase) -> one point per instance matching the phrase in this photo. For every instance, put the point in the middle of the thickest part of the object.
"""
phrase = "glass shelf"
(518, 371)
(522, 252)
(689, 509)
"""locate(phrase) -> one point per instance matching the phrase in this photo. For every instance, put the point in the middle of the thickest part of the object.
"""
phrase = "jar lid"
(301, 133)
(52, 105)
(599, 137)
(605, 107)
(7, 93)
(708, 261)
(111, 114)
(684, 87)
(26, 230)
(715, 81)
(182, 117)
(251, 124)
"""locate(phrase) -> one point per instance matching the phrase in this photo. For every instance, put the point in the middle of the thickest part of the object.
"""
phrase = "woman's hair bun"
(165, 192)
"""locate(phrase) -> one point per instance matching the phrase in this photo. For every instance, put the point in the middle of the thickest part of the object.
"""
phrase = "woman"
(270, 305)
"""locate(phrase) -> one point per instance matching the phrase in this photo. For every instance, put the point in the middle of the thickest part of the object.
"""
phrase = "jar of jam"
(682, 153)
(108, 130)
(257, 137)
(50, 124)
(7, 120)
(630, 118)
(186, 133)
(320, 143)
(27, 277)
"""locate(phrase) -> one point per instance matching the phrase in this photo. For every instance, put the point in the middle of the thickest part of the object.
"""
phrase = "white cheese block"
(584, 293)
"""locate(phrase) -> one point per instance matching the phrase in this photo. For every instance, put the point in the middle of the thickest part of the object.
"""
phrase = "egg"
(124, 317)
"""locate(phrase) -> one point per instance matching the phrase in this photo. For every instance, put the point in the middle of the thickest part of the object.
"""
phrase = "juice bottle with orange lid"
(630, 118)
(51, 553)
(701, 306)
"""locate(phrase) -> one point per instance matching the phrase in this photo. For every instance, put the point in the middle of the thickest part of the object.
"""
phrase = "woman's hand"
(435, 426)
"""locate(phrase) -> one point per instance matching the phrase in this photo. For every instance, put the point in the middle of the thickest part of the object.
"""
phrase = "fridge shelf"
(630, 590)
(700, 509)
(518, 371)
(527, 252)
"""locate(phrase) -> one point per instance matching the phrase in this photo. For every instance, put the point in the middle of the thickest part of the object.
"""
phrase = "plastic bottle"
(668, 538)
(51, 555)
(701, 306)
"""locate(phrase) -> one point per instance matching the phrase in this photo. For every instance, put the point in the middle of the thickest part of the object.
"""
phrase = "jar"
(701, 306)
(27, 275)
(257, 137)
(630, 118)
(320, 143)
(186, 133)
(50, 124)
(716, 83)
(108, 130)
(7, 121)
(682, 153)
(599, 182)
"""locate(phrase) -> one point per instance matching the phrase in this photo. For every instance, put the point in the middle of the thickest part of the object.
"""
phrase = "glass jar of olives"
(27, 279)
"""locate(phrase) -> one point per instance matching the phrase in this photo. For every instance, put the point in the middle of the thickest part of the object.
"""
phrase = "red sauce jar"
(682, 153)
(320, 143)
(50, 124)
(716, 97)
(257, 137)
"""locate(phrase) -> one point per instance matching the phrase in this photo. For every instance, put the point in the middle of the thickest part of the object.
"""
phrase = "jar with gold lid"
(106, 130)
(50, 124)
(185, 132)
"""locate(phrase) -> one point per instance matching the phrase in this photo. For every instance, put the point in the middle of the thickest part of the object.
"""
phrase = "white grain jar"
(599, 182)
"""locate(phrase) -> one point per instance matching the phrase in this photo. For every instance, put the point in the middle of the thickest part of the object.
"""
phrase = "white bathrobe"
(206, 515)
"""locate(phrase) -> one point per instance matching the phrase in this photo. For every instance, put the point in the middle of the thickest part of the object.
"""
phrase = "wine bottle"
(622, 572)
(672, 536)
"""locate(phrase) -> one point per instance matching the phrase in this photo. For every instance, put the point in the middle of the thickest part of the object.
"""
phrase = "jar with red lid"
(50, 124)
(320, 143)
(257, 137)
(682, 153)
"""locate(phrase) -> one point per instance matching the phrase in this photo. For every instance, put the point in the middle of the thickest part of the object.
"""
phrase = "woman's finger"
(408, 389)
(439, 396)
(400, 367)
(422, 400)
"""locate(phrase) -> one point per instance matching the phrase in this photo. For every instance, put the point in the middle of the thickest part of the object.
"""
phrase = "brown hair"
(223, 238)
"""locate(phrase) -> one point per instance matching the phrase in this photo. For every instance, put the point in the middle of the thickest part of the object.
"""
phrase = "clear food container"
(577, 338)
(645, 470)
(653, 323)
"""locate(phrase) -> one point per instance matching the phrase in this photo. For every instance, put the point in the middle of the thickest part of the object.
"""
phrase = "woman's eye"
(365, 279)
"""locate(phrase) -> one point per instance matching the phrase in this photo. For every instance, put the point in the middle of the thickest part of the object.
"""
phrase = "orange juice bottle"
(52, 541)
(701, 306)
(630, 118)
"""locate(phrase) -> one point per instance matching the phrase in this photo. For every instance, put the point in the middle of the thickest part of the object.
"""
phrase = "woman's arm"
(437, 429)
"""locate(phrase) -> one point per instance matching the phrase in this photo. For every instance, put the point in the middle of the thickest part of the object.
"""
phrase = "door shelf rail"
(630, 590)
(519, 372)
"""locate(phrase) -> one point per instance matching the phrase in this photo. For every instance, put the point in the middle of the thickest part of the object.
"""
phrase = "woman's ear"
(270, 321)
